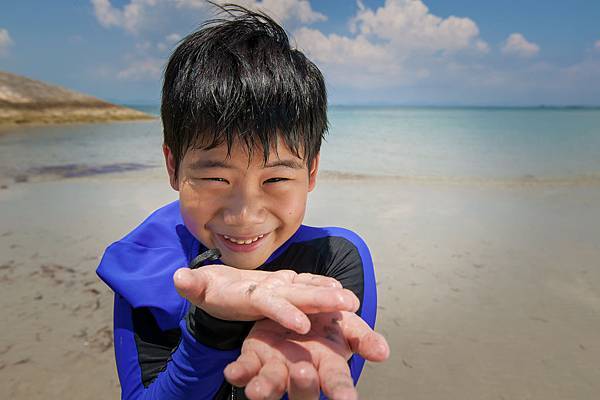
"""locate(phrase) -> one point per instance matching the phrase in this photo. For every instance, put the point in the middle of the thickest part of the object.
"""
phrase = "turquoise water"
(440, 143)
(467, 142)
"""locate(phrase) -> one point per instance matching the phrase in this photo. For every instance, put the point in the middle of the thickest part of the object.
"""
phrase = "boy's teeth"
(240, 241)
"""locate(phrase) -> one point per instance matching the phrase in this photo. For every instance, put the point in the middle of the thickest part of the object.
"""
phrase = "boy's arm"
(174, 364)
(351, 264)
(169, 365)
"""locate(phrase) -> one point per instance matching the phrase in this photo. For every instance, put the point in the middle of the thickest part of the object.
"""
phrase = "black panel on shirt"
(154, 346)
(214, 332)
(227, 392)
(332, 256)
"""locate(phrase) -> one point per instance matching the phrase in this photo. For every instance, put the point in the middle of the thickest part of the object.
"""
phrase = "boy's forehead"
(239, 154)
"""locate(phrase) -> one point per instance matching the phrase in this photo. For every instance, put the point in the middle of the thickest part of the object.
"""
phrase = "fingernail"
(355, 302)
(383, 348)
(232, 371)
(301, 326)
(349, 394)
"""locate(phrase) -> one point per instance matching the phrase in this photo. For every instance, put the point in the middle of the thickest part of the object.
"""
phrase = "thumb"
(373, 347)
(363, 340)
(191, 284)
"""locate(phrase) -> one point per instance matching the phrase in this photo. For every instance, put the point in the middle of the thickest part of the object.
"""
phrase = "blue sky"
(408, 52)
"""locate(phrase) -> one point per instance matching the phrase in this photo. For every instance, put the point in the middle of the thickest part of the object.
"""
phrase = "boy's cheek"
(194, 213)
(194, 226)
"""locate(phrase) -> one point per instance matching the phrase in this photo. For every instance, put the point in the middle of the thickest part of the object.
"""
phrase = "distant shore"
(25, 101)
(68, 114)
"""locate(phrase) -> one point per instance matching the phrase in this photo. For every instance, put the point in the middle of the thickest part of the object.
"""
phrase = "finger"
(242, 370)
(336, 380)
(363, 340)
(281, 311)
(317, 280)
(282, 276)
(270, 383)
(191, 284)
(303, 382)
(313, 300)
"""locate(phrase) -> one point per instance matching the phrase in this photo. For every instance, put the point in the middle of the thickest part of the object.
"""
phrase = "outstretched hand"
(275, 360)
(285, 296)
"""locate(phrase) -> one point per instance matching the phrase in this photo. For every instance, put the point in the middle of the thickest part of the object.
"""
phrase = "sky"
(371, 52)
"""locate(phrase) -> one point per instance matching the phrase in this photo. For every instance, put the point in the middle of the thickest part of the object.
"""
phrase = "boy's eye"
(274, 180)
(215, 179)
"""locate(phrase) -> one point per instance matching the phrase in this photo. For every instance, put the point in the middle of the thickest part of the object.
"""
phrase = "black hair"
(238, 79)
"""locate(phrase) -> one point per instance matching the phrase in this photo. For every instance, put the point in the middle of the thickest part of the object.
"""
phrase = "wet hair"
(237, 80)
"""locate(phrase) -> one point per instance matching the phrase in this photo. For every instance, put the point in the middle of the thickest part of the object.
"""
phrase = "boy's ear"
(312, 173)
(170, 162)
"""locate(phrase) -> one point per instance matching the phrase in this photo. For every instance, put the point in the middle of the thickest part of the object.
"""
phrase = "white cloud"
(139, 70)
(399, 52)
(287, 10)
(157, 25)
(132, 17)
(398, 43)
(408, 25)
(5, 41)
(173, 38)
(106, 14)
(140, 16)
(517, 45)
(168, 43)
(349, 60)
(482, 46)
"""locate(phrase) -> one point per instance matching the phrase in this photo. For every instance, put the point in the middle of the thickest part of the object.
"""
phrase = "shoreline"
(70, 171)
(11, 123)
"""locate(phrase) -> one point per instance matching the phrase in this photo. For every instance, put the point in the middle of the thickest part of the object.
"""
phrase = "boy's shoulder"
(140, 266)
(325, 242)
(162, 228)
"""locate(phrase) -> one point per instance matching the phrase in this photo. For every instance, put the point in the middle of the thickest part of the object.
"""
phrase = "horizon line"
(383, 105)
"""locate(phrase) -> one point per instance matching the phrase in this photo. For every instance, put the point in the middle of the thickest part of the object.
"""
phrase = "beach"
(485, 291)
(483, 226)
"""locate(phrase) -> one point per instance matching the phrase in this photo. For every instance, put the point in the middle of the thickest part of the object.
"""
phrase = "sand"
(485, 291)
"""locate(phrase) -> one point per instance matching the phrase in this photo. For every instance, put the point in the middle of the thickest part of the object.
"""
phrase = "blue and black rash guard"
(166, 349)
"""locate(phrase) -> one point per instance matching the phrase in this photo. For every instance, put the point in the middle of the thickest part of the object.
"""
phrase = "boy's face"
(239, 205)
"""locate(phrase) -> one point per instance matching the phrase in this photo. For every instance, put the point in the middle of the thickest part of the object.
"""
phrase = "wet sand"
(485, 291)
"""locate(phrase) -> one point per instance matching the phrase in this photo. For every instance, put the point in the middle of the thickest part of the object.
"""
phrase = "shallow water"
(457, 145)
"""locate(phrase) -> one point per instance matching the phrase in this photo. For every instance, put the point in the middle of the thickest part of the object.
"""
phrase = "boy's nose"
(244, 209)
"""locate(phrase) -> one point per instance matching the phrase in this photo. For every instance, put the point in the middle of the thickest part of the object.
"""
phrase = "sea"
(425, 144)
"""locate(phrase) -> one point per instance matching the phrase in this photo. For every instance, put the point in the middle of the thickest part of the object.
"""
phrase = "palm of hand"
(275, 359)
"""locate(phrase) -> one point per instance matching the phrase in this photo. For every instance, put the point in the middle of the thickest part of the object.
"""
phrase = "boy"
(243, 117)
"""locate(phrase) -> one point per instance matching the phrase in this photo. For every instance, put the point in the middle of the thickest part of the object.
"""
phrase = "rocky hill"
(24, 100)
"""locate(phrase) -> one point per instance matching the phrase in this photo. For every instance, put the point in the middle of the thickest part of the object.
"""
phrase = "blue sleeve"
(346, 257)
(368, 311)
(193, 370)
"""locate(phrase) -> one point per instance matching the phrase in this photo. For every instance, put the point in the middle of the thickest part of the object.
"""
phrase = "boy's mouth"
(242, 244)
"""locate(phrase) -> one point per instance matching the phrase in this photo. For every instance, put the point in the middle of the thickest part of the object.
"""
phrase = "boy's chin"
(243, 261)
